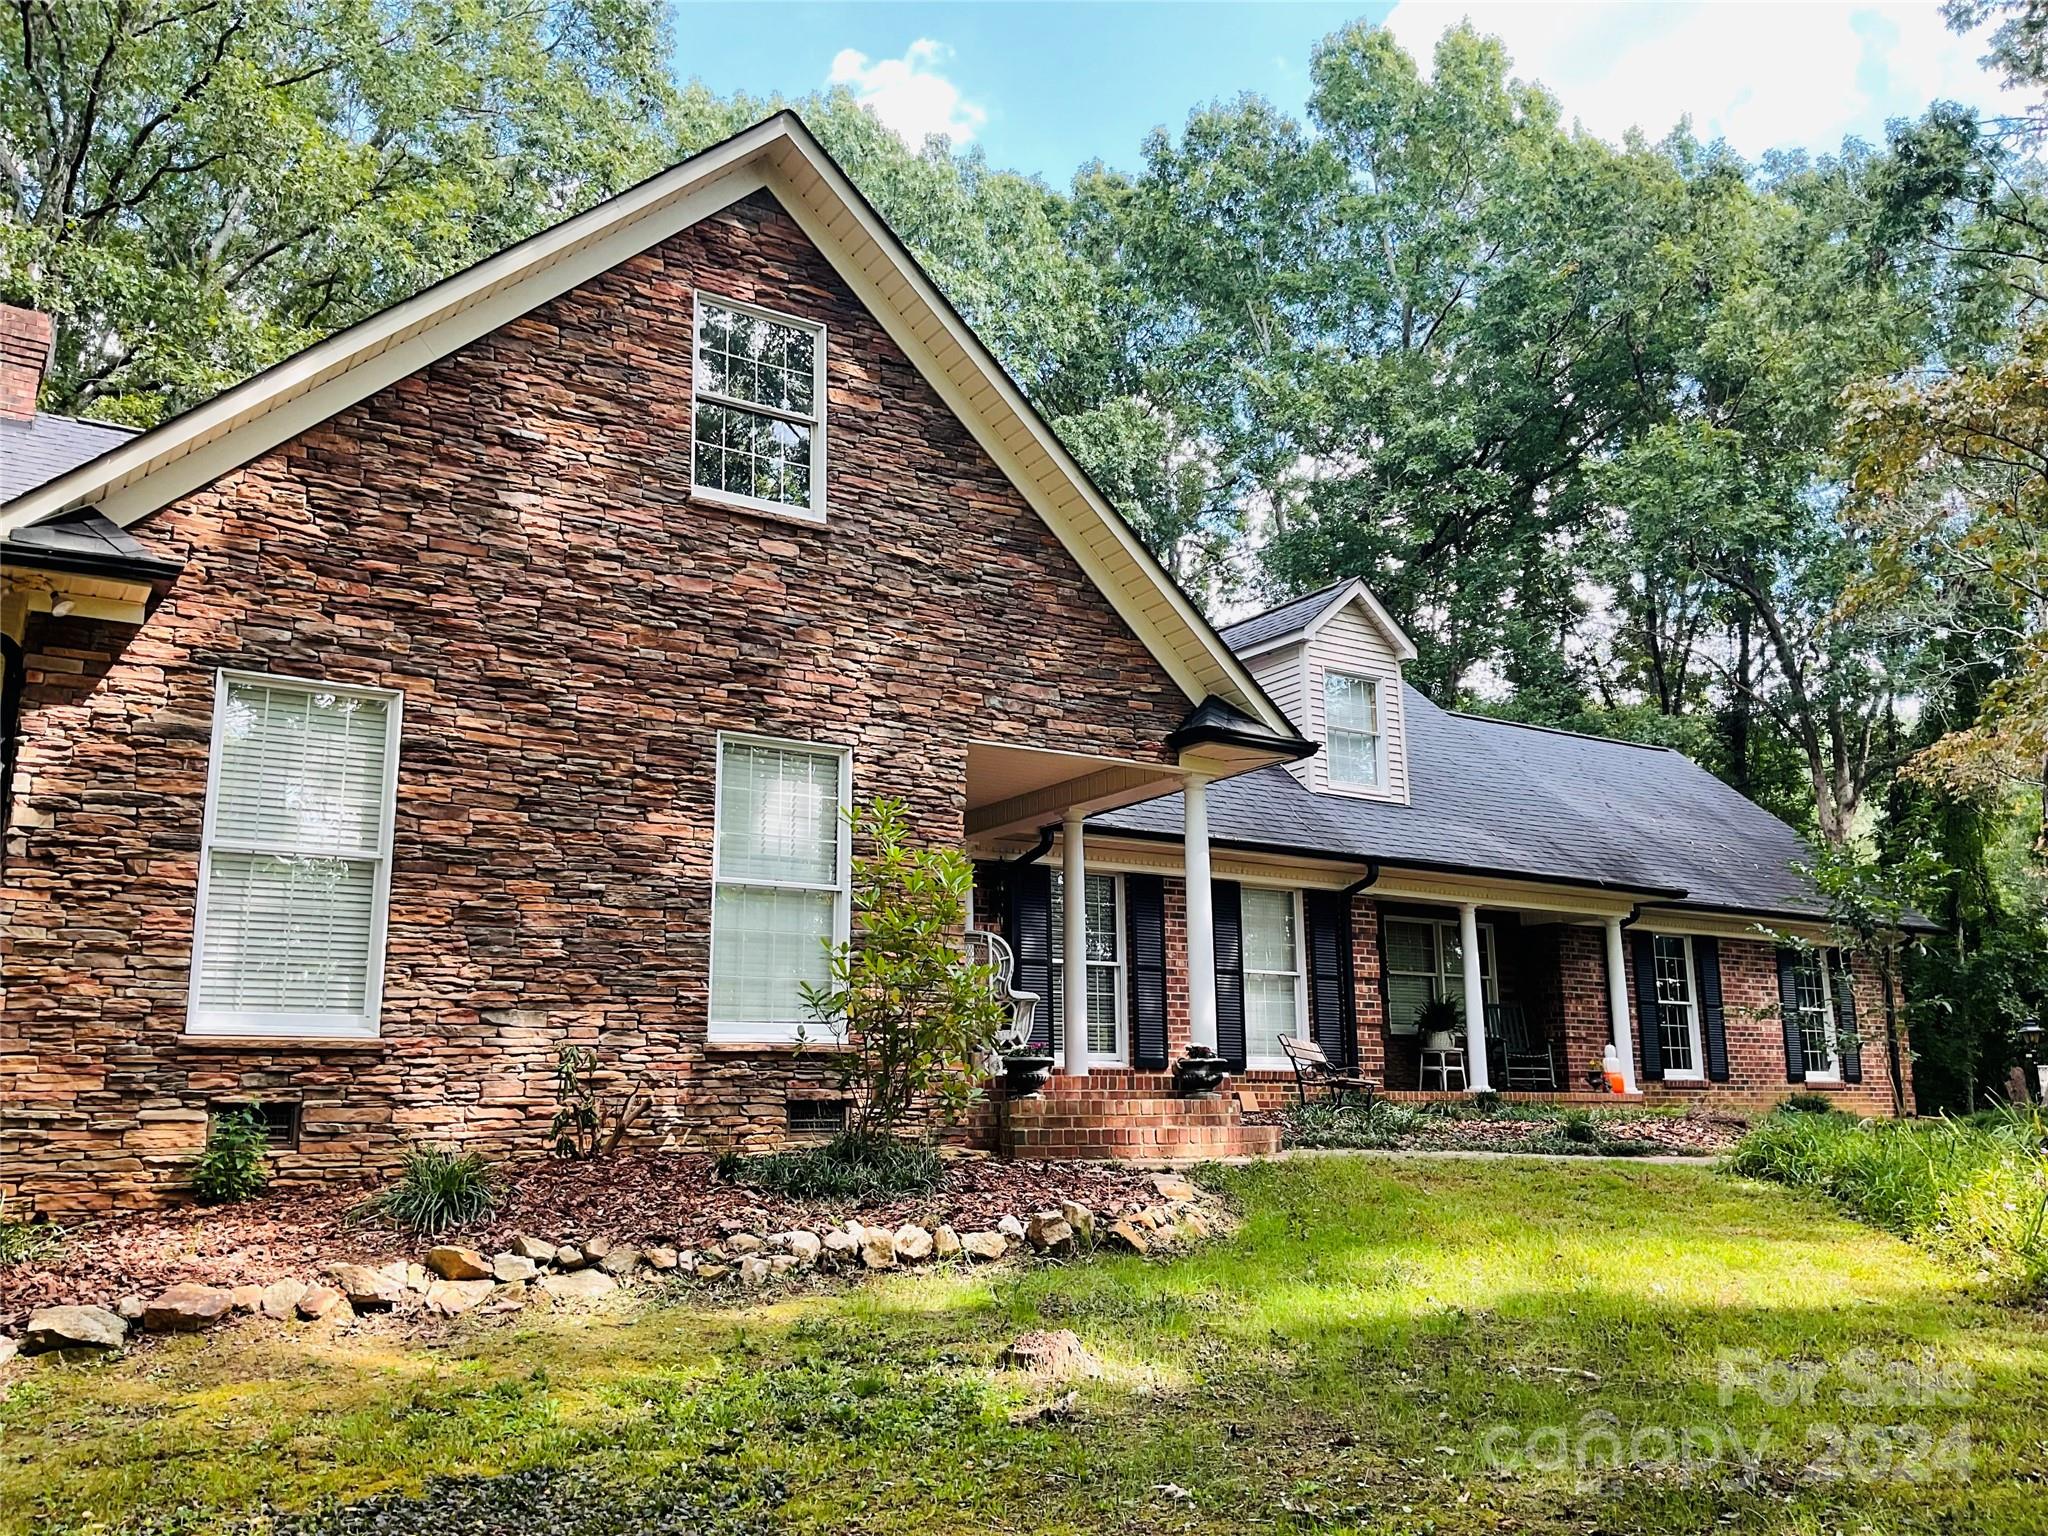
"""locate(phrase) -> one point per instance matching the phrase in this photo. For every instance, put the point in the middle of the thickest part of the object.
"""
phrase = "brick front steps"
(1127, 1115)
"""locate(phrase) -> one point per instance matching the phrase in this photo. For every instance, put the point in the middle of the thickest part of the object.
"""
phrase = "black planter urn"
(1024, 1076)
(1197, 1077)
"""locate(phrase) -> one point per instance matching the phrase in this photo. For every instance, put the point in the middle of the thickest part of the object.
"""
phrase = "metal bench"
(1313, 1067)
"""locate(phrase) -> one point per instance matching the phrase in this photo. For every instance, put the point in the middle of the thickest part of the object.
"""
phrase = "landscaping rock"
(620, 1261)
(73, 1328)
(455, 1263)
(839, 1248)
(662, 1258)
(280, 1298)
(913, 1243)
(1128, 1236)
(569, 1257)
(321, 1302)
(713, 1271)
(578, 1285)
(1054, 1352)
(596, 1248)
(983, 1247)
(415, 1277)
(783, 1263)
(1011, 1228)
(806, 1246)
(1081, 1219)
(1050, 1234)
(187, 1308)
(754, 1270)
(246, 1297)
(510, 1268)
(8, 1350)
(129, 1308)
(366, 1287)
(878, 1248)
(1194, 1223)
(455, 1297)
(534, 1248)
(743, 1243)
(1171, 1186)
(945, 1242)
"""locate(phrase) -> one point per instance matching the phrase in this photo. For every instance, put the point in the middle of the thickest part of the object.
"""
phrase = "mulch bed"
(1696, 1133)
(659, 1198)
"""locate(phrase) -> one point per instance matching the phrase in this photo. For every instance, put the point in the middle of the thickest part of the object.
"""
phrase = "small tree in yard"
(918, 1017)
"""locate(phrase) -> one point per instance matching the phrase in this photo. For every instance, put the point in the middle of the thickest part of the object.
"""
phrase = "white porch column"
(1201, 924)
(1617, 1005)
(1475, 998)
(1074, 907)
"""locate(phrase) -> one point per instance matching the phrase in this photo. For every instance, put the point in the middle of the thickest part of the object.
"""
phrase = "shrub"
(919, 1017)
(24, 1242)
(1975, 1191)
(1486, 1101)
(1809, 1104)
(850, 1166)
(436, 1189)
(1577, 1125)
(587, 1122)
(234, 1164)
(1350, 1123)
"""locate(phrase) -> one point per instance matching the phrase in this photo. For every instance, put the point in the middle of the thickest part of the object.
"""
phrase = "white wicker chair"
(993, 950)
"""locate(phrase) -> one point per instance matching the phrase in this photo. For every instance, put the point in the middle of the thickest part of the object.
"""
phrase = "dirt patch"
(673, 1199)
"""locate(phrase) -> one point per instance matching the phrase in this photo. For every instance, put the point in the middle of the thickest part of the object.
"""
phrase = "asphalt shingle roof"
(1494, 797)
(44, 447)
(1298, 613)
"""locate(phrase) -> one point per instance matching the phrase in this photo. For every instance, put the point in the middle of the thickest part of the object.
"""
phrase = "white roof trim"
(779, 154)
(1358, 592)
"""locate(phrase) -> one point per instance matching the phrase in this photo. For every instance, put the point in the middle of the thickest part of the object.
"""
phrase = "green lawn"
(1386, 1346)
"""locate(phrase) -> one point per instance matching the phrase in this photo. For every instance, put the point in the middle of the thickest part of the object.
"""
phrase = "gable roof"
(779, 155)
(1494, 797)
(38, 450)
(1299, 619)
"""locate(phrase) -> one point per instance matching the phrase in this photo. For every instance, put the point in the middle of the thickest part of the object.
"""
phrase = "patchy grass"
(1383, 1347)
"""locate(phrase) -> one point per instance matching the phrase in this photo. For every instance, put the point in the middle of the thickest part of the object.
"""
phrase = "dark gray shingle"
(39, 450)
(1296, 613)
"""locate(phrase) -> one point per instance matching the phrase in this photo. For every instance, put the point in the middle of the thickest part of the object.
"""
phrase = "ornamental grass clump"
(436, 1189)
(26, 1242)
(849, 1167)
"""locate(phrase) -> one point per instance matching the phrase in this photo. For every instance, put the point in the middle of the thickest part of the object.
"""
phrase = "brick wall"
(508, 537)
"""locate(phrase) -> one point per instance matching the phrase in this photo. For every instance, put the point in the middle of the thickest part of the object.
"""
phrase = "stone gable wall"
(509, 538)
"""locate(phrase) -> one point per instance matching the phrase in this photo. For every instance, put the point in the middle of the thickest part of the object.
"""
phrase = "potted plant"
(1025, 1071)
(1199, 1073)
(1440, 1023)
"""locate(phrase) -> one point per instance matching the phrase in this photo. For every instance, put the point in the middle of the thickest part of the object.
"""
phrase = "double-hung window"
(1106, 1028)
(1275, 994)
(781, 877)
(1425, 962)
(758, 417)
(1351, 730)
(1813, 991)
(1678, 1009)
(295, 859)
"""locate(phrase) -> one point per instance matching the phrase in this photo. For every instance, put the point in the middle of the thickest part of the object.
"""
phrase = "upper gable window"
(759, 420)
(1351, 723)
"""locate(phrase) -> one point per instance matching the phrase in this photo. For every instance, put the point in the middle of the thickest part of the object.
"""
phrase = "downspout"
(1370, 878)
(1034, 853)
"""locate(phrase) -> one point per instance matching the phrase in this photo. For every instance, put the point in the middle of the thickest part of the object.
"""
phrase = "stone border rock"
(449, 1280)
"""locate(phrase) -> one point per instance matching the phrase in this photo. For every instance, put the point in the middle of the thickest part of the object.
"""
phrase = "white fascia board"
(1358, 592)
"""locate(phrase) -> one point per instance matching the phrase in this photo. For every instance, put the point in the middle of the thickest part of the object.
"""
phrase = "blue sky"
(1045, 87)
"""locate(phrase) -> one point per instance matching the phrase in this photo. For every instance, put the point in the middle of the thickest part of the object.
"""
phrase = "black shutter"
(1329, 976)
(1145, 932)
(1030, 936)
(1848, 1040)
(1706, 959)
(1788, 1007)
(1229, 924)
(1649, 1039)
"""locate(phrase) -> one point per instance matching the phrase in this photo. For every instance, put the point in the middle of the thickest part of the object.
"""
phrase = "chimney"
(28, 341)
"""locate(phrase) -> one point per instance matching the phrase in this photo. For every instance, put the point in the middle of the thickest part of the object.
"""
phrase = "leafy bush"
(1975, 1191)
(436, 1189)
(1350, 1123)
(24, 1242)
(587, 1122)
(234, 1164)
(1809, 1104)
(850, 1166)
(1577, 1125)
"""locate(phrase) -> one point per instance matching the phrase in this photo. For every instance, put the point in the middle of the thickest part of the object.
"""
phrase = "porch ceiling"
(1016, 789)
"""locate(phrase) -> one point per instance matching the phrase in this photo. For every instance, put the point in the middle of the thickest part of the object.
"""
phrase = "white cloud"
(1762, 76)
(909, 94)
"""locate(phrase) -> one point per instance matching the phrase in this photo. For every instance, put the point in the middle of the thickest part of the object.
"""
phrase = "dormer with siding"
(1332, 661)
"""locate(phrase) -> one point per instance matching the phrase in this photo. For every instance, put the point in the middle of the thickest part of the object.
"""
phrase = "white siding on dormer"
(1349, 641)
(1280, 673)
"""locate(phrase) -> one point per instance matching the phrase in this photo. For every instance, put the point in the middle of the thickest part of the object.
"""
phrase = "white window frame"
(1378, 783)
(1697, 1072)
(1115, 967)
(815, 512)
(232, 1023)
(1301, 1028)
(774, 1031)
(1832, 1073)
(1440, 927)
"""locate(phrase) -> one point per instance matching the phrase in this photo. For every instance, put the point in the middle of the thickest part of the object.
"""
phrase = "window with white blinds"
(781, 883)
(295, 862)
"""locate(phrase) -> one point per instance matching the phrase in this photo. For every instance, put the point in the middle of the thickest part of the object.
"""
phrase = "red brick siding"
(509, 538)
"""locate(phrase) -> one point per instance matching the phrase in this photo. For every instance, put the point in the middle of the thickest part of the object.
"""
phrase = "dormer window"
(759, 384)
(1351, 718)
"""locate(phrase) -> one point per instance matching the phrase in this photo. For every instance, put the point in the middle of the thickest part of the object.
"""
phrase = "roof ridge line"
(1555, 730)
(1285, 603)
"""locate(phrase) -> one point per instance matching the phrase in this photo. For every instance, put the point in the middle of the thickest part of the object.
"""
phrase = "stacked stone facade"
(509, 538)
